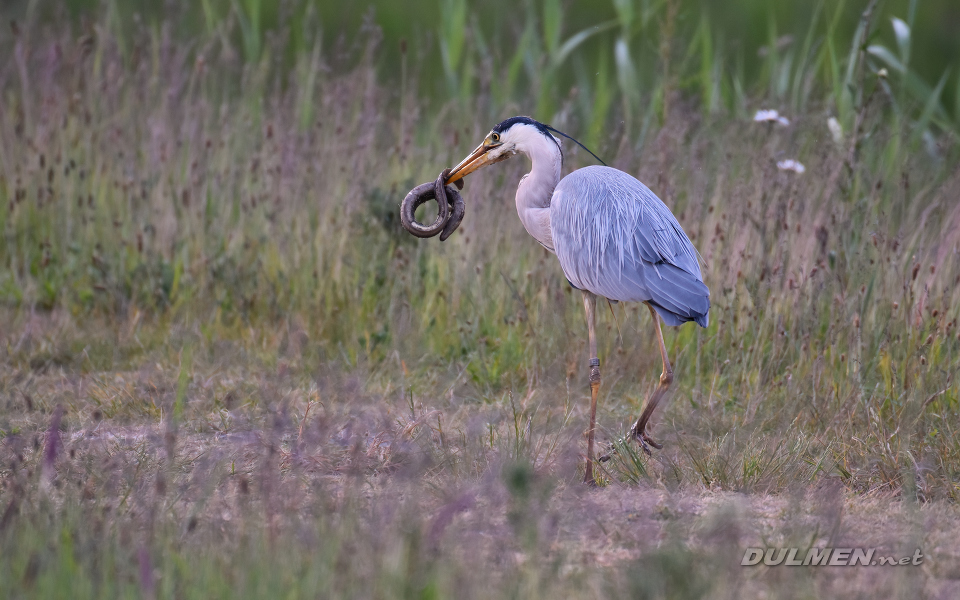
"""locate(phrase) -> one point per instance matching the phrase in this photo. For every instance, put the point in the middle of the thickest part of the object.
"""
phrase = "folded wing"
(617, 239)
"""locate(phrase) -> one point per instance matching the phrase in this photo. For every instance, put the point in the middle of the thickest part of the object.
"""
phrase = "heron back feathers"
(616, 238)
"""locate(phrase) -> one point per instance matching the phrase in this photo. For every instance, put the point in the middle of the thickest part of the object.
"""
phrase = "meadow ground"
(226, 371)
(276, 478)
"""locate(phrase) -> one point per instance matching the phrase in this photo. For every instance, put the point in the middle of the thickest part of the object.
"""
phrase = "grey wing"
(617, 239)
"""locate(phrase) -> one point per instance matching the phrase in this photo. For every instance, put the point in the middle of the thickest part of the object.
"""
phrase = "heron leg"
(639, 430)
(590, 306)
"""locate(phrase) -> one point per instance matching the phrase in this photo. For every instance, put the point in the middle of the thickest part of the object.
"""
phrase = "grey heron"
(614, 238)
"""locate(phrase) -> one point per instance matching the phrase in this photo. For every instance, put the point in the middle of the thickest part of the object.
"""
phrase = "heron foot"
(646, 442)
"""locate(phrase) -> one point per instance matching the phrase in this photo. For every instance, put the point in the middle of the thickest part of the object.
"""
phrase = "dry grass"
(277, 479)
(225, 370)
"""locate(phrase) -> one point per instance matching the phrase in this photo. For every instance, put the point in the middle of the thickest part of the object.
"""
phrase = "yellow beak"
(477, 159)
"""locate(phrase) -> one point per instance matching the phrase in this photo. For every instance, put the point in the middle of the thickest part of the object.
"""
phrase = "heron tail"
(678, 296)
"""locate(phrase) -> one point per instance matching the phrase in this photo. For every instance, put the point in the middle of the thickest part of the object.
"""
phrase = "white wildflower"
(791, 165)
(770, 116)
(836, 130)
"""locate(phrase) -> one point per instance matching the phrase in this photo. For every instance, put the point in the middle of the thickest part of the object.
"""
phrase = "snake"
(449, 202)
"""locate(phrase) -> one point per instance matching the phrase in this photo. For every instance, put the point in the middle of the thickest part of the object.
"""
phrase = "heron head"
(506, 139)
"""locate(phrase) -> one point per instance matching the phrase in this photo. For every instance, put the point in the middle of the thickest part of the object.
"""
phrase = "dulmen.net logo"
(825, 557)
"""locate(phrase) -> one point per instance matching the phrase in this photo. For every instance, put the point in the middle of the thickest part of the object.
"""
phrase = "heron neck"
(536, 190)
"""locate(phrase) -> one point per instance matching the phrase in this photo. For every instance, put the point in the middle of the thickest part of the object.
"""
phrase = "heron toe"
(647, 442)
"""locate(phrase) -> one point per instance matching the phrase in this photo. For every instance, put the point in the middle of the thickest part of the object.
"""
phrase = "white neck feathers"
(536, 187)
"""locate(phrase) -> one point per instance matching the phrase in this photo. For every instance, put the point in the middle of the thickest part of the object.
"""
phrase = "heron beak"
(477, 159)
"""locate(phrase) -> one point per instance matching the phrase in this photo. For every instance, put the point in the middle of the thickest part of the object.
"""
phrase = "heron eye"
(495, 137)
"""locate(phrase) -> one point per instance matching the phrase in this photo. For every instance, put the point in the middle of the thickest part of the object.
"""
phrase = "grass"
(227, 370)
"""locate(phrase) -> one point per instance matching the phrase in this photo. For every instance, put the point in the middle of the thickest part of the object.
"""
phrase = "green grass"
(269, 388)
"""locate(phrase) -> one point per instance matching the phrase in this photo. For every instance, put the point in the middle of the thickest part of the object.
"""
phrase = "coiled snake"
(449, 215)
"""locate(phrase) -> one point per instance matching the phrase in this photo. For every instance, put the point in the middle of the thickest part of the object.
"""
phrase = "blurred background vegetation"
(202, 266)
(226, 165)
(600, 65)
(608, 72)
